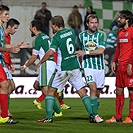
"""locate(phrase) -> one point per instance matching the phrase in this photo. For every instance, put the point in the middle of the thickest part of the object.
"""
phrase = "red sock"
(41, 98)
(131, 106)
(4, 105)
(119, 106)
(57, 96)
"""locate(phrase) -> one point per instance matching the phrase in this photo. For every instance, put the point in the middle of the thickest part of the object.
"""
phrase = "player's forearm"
(4, 49)
(116, 54)
(97, 52)
(8, 45)
(47, 56)
(30, 61)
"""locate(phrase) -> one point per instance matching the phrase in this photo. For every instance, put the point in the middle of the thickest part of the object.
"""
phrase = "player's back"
(42, 44)
(64, 40)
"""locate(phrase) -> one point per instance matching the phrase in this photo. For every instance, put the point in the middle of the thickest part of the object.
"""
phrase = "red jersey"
(124, 50)
(7, 57)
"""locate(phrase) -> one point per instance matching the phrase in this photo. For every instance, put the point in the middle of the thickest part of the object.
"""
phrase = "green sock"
(98, 103)
(56, 108)
(94, 105)
(87, 104)
(49, 104)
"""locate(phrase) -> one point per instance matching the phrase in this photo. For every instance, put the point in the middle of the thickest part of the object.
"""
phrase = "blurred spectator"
(75, 21)
(114, 23)
(88, 11)
(44, 16)
(111, 41)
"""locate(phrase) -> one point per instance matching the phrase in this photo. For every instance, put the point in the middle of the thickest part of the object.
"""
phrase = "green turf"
(74, 120)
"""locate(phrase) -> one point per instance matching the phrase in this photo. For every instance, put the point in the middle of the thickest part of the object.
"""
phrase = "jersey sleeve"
(54, 44)
(102, 39)
(117, 52)
(36, 46)
(80, 45)
(131, 59)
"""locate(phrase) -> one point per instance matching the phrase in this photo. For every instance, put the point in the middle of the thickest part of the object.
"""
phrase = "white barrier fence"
(24, 89)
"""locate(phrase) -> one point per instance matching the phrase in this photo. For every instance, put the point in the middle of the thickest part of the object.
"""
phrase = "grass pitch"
(74, 120)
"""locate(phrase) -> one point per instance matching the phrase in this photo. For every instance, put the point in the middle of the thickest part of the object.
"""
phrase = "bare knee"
(51, 91)
(81, 92)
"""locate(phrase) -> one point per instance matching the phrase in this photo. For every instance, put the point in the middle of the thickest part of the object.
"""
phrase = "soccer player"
(58, 94)
(41, 45)
(92, 44)
(124, 71)
(67, 69)
(4, 84)
(11, 28)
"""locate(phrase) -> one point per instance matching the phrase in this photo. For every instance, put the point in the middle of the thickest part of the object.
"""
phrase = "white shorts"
(45, 72)
(8, 74)
(74, 77)
(93, 75)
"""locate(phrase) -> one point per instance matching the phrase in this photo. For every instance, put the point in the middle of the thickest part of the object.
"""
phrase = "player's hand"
(14, 49)
(37, 66)
(129, 69)
(22, 68)
(11, 68)
(24, 45)
(80, 53)
(113, 67)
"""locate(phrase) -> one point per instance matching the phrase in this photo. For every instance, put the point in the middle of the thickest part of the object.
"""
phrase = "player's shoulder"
(102, 32)
(83, 32)
(43, 36)
(132, 26)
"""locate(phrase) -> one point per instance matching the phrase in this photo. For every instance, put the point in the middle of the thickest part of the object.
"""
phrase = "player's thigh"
(46, 71)
(95, 76)
(59, 79)
(89, 75)
(76, 79)
(100, 80)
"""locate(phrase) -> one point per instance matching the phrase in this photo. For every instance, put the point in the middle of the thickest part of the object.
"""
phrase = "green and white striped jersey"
(2, 41)
(90, 42)
(64, 43)
(41, 45)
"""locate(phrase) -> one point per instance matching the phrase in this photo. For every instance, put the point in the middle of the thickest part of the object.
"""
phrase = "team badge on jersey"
(126, 34)
(90, 46)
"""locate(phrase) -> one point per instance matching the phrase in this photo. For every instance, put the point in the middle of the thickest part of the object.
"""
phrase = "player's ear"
(87, 24)
(9, 26)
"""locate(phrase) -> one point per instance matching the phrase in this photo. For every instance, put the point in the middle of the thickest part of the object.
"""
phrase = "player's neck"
(7, 32)
(38, 32)
(1, 22)
(126, 26)
(61, 28)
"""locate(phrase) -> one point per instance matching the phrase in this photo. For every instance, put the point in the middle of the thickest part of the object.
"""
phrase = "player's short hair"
(75, 6)
(3, 8)
(127, 15)
(12, 22)
(58, 21)
(91, 16)
(44, 3)
(37, 24)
